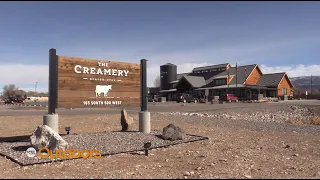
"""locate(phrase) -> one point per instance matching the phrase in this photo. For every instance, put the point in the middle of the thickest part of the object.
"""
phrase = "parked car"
(14, 99)
(9, 100)
(18, 99)
(186, 98)
(228, 97)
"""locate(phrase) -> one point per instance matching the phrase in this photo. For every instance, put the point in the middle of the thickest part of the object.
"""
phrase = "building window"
(220, 82)
(284, 91)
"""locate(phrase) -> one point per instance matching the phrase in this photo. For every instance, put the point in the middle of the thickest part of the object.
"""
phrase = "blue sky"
(278, 36)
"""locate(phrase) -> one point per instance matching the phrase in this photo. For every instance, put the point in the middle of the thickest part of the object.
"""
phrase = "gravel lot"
(244, 146)
(108, 143)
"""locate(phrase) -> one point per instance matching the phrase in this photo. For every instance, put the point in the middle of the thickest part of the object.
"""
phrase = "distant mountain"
(304, 82)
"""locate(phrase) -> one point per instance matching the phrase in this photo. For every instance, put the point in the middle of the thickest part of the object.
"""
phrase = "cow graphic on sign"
(102, 89)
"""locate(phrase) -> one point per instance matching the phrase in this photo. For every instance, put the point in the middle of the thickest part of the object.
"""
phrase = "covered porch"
(170, 94)
(243, 92)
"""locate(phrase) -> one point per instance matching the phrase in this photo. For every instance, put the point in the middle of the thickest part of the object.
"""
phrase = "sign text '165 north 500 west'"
(97, 83)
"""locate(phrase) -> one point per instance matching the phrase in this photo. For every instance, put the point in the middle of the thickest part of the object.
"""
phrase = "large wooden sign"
(96, 83)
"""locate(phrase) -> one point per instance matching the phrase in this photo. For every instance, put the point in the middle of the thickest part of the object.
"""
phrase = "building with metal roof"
(215, 80)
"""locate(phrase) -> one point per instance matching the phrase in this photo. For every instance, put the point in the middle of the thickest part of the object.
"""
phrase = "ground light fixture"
(146, 148)
(67, 129)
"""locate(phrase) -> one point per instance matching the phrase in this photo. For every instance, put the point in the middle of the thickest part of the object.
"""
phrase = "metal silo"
(168, 73)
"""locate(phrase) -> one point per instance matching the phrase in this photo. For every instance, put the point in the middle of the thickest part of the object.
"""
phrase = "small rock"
(44, 136)
(172, 132)
(223, 160)
(247, 176)
(296, 155)
(287, 146)
(167, 160)
(192, 173)
(140, 152)
(126, 121)
(198, 168)
(187, 173)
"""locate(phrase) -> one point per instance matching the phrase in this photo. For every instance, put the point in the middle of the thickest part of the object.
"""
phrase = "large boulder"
(44, 136)
(126, 121)
(172, 132)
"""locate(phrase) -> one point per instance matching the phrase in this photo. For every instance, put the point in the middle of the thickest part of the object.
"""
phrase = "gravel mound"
(279, 115)
(108, 143)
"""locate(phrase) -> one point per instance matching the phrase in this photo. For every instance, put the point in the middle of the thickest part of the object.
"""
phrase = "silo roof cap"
(169, 64)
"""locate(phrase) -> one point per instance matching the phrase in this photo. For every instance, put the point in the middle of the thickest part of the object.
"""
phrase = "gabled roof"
(271, 80)
(182, 74)
(240, 77)
(210, 67)
(195, 81)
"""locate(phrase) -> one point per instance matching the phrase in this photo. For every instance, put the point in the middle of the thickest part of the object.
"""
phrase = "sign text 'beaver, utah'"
(98, 83)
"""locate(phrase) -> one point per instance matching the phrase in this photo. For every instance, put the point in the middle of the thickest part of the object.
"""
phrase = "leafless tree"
(10, 90)
(20, 92)
(156, 81)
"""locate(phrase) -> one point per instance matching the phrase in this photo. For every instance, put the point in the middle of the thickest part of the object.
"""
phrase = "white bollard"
(52, 120)
(144, 121)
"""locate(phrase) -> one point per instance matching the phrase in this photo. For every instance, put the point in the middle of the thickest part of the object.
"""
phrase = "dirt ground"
(229, 153)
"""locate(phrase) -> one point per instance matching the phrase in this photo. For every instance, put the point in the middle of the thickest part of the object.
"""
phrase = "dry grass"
(312, 121)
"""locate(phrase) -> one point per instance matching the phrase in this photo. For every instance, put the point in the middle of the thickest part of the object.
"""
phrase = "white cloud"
(33, 89)
(294, 70)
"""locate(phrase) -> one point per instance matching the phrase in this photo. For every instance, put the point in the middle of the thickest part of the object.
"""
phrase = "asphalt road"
(152, 107)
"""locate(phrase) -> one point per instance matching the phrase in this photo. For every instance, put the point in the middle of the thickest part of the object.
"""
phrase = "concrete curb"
(32, 105)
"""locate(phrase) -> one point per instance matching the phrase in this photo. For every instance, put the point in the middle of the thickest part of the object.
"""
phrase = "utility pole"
(245, 77)
(237, 80)
(311, 86)
(228, 79)
(35, 88)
